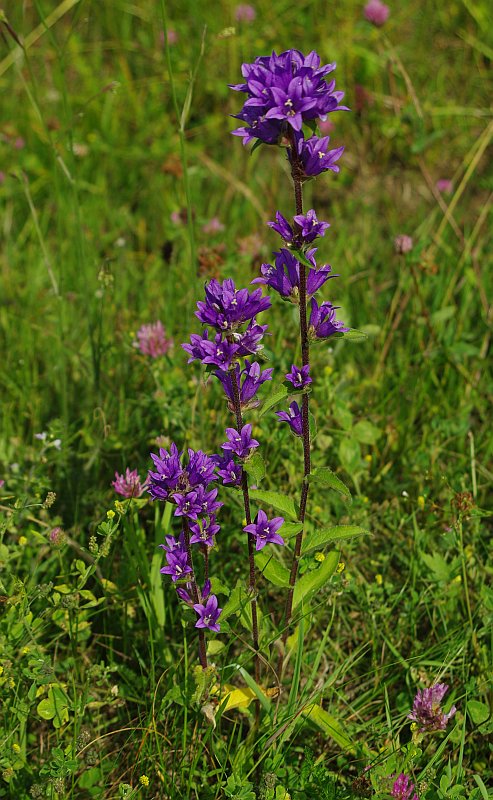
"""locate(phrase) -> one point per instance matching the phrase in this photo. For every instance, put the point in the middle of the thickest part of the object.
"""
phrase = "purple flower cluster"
(179, 569)
(427, 710)
(284, 92)
(403, 788)
(284, 277)
(307, 227)
(249, 379)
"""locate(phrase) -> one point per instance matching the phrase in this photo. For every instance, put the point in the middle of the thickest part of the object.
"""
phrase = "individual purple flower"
(316, 157)
(220, 353)
(200, 469)
(376, 12)
(241, 442)
(171, 544)
(206, 498)
(403, 244)
(152, 341)
(204, 531)
(444, 185)
(427, 711)
(265, 530)
(403, 788)
(196, 349)
(208, 614)
(299, 377)
(249, 342)
(245, 13)
(229, 472)
(291, 103)
(308, 224)
(323, 322)
(187, 505)
(248, 379)
(177, 566)
(284, 277)
(293, 418)
(168, 471)
(225, 307)
(128, 484)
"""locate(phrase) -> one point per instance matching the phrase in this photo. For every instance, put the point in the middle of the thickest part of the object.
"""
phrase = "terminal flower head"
(128, 484)
(427, 711)
(152, 340)
(403, 788)
(376, 12)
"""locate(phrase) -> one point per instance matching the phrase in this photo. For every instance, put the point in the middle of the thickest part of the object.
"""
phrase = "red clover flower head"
(403, 788)
(403, 244)
(152, 341)
(444, 185)
(245, 13)
(128, 484)
(427, 712)
(376, 12)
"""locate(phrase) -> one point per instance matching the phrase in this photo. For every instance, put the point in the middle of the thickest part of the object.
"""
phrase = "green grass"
(96, 154)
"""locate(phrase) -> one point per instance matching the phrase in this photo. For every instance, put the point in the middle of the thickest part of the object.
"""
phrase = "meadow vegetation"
(121, 193)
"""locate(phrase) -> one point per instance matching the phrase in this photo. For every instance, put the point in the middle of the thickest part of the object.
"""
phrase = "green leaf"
(318, 539)
(278, 393)
(352, 335)
(311, 582)
(366, 433)
(236, 599)
(277, 500)
(301, 258)
(479, 712)
(442, 571)
(271, 569)
(326, 477)
(350, 454)
(54, 706)
(330, 726)
(255, 466)
(290, 529)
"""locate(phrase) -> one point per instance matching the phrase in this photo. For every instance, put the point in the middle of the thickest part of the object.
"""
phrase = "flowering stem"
(296, 173)
(195, 592)
(252, 588)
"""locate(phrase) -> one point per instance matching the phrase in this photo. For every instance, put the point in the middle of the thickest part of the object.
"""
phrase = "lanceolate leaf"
(326, 477)
(279, 393)
(318, 539)
(310, 583)
(255, 466)
(330, 726)
(271, 569)
(278, 501)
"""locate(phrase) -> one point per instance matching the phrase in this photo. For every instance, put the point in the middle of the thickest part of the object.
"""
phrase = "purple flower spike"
(293, 418)
(128, 485)
(310, 226)
(323, 322)
(177, 565)
(265, 530)
(427, 711)
(240, 443)
(403, 788)
(183, 595)
(299, 377)
(208, 614)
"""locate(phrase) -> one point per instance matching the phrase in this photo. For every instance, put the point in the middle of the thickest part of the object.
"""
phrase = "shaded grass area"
(91, 176)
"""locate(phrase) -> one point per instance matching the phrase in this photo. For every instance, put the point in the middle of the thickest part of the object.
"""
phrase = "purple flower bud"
(265, 530)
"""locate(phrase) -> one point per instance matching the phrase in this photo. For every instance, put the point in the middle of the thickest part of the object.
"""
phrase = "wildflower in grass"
(445, 186)
(214, 225)
(57, 537)
(225, 308)
(208, 614)
(403, 244)
(240, 442)
(284, 277)
(245, 13)
(182, 484)
(128, 484)
(144, 780)
(265, 530)
(403, 788)
(152, 341)
(427, 711)
(249, 380)
(376, 12)
(293, 418)
(299, 376)
(323, 322)
(308, 227)
(284, 91)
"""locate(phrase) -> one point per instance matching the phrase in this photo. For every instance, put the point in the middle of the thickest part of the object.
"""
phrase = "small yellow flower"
(1, 671)
(378, 579)
(119, 507)
(365, 499)
(421, 502)
(341, 567)
(12, 683)
(22, 541)
(457, 579)
(319, 557)
(144, 780)
(328, 370)
(25, 651)
(110, 514)
(368, 458)
(16, 748)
